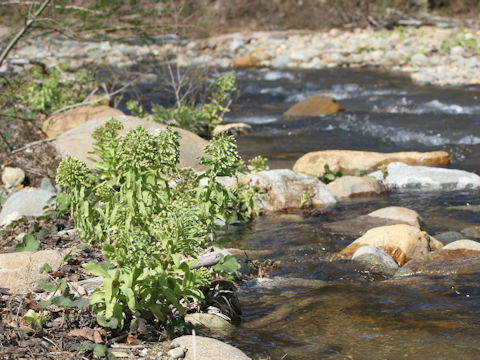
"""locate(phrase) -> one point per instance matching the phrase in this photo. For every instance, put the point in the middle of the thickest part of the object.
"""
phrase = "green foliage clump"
(50, 90)
(329, 175)
(151, 219)
(256, 164)
(203, 118)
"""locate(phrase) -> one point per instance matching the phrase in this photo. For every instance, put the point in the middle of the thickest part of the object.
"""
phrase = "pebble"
(176, 353)
(430, 55)
(13, 177)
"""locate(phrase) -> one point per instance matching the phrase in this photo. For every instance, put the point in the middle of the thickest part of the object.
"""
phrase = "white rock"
(402, 176)
(13, 176)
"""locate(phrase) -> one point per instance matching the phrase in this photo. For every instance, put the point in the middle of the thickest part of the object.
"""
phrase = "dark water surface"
(350, 313)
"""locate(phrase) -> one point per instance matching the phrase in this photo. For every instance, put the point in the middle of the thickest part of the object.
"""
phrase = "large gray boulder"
(28, 202)
(78, 141)
(402, 176)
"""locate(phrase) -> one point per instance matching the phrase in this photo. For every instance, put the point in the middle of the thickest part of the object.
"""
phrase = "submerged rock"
(209, 324)
(320, 104)
(278, 282)
(402, 242)
(285, 189)
(402, 176)
(78, 141)
(391, 215)
(348, 186)
(471, 231)
(350, 161)
(443, 262)
(448, 237)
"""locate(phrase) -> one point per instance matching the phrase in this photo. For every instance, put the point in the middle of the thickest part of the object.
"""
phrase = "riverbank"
(429, 55)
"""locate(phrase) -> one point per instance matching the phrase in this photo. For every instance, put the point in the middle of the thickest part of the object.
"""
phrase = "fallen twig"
(29, 145)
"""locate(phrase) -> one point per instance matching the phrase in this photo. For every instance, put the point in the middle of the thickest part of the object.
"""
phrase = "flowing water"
(344, 311)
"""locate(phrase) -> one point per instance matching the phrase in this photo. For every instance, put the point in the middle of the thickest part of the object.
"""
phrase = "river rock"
(402, 242)
(19, 271)
(350, 161)
(358, 226)
(471, 231)
(209, 349)
(13, 176)
(245, 61)
(443, 262)
(232, 128)
(348, 186)
(78, 141)
(28, 202)
(402, 176)
(285, 189)
(398, 213)
(209, 324)
(449, 236)
(463, 244)
(320, 104)
(278, 282)
(376, 259)
(59, 123)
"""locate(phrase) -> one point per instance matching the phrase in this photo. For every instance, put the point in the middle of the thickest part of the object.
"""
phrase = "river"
(347, 312)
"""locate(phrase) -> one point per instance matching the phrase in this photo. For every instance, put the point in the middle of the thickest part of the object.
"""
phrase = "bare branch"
(29, 145)
(29, 23)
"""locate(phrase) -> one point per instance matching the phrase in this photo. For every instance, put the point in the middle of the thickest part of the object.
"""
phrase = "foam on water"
(278, 75)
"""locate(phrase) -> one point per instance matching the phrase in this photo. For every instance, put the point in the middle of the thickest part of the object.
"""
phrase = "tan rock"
(398, 213)
(347, 186)
(209, 349)
(402, 242)
(19, 271)
(350, 161)
(233, 128)
(78, 142)
(463, 245)
(13, 176)
(59, 123)
(245, 61)
(319, 104)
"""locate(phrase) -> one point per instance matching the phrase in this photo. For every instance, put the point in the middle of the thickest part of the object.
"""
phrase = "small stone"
(174, 345)
(420, 60)
(13, 176)
(176, 353)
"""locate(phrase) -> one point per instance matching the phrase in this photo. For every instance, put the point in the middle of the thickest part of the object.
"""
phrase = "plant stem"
(22, 31)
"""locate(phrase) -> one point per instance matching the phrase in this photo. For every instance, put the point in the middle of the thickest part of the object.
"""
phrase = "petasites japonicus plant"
(151, 219)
